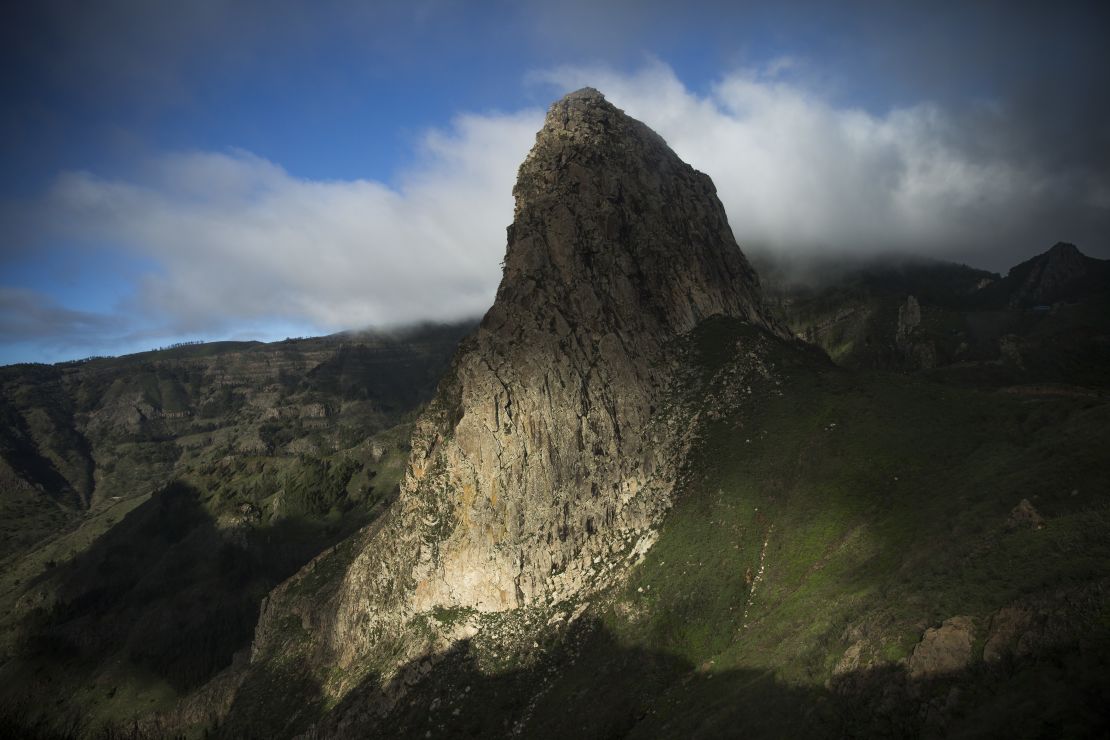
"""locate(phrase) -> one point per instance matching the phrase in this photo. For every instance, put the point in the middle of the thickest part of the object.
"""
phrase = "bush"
(316, 486)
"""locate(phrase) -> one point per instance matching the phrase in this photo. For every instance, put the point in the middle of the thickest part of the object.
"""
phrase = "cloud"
(240, 241)
(26, 315)
(798, 173)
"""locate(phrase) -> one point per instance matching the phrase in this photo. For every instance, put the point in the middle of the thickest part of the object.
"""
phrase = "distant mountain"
(79, 436)
(1062, 274)
(1048, 320)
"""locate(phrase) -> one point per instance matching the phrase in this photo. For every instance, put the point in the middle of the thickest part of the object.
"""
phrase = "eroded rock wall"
(551, 447)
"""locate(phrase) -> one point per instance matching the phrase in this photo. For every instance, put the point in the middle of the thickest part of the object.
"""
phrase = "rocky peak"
(1061, 273)
(1061, 262)
(546, 459)
(611, 227)
(1063, 250)
(617, 247)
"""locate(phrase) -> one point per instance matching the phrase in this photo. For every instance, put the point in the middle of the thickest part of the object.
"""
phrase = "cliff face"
(548, 453)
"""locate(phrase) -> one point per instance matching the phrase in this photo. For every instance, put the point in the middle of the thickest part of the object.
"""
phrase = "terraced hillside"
(150, 502)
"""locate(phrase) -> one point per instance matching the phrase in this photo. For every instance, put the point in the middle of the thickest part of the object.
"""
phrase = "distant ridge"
(1062, 273)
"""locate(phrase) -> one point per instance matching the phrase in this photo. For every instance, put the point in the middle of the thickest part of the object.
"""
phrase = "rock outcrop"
(550, 449)
(1061, 273)
(915, 345)
(943, 649)
(1025, 516)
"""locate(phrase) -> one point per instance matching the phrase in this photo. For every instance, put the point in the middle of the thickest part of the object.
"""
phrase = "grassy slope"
(876, 528)
(148, 607)
(879, 505)
(887, 523)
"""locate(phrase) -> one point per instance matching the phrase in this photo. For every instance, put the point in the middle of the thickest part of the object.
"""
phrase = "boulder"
(1024, 516)
(944, 649)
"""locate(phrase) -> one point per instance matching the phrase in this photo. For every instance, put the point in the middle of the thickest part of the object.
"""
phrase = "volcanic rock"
(550, 442)
(943, 649)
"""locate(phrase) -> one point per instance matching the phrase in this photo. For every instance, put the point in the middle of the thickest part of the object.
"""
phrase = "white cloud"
(796, 172)
(241, 241)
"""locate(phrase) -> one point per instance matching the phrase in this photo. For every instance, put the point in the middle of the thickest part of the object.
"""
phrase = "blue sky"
(213, 169)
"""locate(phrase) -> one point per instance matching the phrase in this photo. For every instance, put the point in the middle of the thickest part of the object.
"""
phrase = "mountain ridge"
(546, 449)
(910, 315)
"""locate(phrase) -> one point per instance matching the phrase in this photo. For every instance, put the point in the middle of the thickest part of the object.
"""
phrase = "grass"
(173, 588)
(827, 508)
(879, 506)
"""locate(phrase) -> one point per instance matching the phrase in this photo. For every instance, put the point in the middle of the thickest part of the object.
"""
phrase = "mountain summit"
(541, 450)
(1062, 273)
(620, 229)
(616, 248)
(552, 446)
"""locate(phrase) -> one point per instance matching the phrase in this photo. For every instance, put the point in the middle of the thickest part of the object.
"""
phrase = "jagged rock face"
(1050, 274)
(1061, 273)
(547, 451)
(943, 649)
(613, 230)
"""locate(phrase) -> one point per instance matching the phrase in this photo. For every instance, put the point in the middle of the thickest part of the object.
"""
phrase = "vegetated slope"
(860, 312)
(828, 523)
(849, 554)
(219, 471)
(633, 508)
(1048, 320)
(86, 435)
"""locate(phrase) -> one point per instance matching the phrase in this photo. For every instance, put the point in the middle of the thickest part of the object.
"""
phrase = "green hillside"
(151, 502)
(851, 552)
(826, 522)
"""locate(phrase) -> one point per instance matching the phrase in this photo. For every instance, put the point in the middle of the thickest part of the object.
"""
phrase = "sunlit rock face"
(551, 448)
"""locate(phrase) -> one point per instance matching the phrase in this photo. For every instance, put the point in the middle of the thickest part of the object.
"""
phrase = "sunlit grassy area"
(864, 506)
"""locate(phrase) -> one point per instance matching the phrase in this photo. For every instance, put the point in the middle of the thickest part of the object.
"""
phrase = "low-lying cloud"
(799, 174)
(239, 240)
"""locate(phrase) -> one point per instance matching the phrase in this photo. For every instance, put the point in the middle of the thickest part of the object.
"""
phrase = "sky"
(260, 169)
